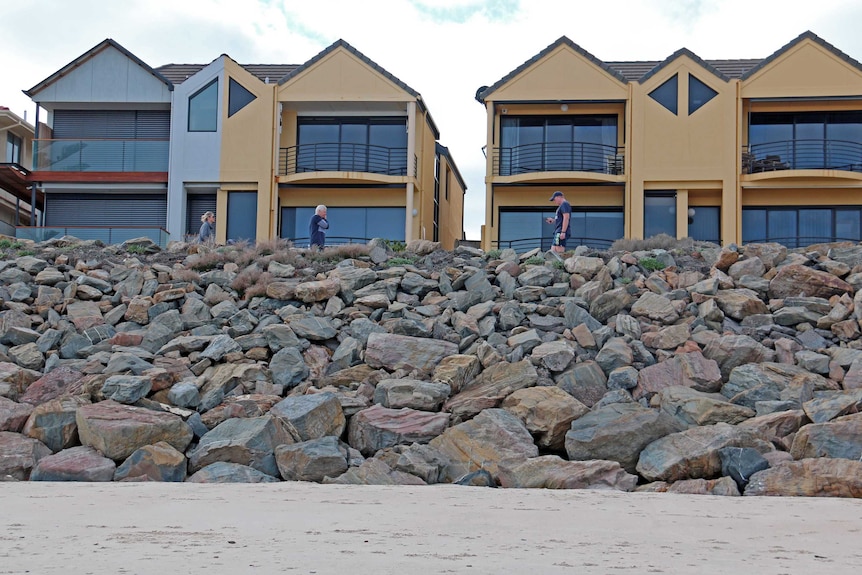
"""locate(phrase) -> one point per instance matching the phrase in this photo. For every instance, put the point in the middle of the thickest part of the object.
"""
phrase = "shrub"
(657, 242)
(651, 264)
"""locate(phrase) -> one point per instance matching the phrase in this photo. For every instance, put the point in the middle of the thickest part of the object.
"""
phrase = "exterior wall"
(195, 156)
(109, 76)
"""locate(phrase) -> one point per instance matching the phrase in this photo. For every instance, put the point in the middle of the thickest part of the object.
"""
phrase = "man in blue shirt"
(317, 228)
(561, 224)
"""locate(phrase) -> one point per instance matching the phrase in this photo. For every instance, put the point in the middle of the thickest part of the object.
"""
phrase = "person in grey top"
(207, 232)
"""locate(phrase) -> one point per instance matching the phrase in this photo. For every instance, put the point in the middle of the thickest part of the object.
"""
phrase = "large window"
(525, 229)
(557, 143)
(13, 148)
(377, 145)
(203, 109)
(806, 140)
(346, 225)
(800, 227)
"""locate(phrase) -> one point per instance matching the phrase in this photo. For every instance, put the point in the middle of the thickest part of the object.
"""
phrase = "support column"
(410, 188)
(681, 214)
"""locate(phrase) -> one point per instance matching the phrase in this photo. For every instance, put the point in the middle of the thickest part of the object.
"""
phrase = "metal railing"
(559, 157)
(101, 155)
(527, 244)
(800, 241)
(343, 157)
(107, 234)
(806, 154)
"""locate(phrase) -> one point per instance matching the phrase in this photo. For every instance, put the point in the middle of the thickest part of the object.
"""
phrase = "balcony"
(559, 157)
(344, 157)
(802, 154)
(100, 155)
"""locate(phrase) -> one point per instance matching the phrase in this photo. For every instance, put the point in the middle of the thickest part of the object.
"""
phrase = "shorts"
(558, 241)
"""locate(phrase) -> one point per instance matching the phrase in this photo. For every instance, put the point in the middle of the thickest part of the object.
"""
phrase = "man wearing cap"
(561, 224)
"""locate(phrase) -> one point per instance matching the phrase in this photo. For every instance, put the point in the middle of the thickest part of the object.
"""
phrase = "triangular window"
(238, 97)
(667, 93)
(698, 94)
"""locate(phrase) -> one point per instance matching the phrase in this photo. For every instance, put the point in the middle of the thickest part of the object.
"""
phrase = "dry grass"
(658, 242)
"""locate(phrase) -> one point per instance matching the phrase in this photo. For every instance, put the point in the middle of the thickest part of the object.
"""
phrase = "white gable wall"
(110, 77)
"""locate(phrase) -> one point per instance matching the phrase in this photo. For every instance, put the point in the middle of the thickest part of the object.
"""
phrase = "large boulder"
(491, 387)
(19, 455)
(494, 437)
(311, 416)
(247, 441)
(378, 427)
(617, 432)
(809, 478)
(694, 453)
(74, 464)
(393, 352)
(553, 472)
(548, 413)
(118, 430)
(312, 460)
(797, 280)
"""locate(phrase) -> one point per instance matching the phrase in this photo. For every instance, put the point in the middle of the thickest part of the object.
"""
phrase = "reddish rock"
(797, 280)
(74, 464)
(61, 381)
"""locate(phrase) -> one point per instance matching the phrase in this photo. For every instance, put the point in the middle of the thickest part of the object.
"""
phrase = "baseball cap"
(556, 194)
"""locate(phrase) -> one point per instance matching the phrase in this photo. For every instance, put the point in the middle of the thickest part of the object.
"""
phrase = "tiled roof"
(178, 73)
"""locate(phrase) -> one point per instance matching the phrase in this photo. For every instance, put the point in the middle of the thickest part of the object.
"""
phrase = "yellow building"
(722, 150)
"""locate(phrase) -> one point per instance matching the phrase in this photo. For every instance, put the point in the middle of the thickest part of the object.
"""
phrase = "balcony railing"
(343, 157)
(559, 157)
(107, 234)
(101, 155)
(522, 245)
(811, 154)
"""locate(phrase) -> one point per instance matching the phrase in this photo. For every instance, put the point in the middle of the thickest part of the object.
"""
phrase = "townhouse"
(130, 150)
(717, 150)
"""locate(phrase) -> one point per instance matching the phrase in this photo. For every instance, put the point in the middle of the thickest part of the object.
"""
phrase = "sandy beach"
(321, 529)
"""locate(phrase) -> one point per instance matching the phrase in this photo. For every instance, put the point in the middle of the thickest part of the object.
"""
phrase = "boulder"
(490, 388)
(553, 472)
(494, 437)
(74, 464)
(157, 462)
(312, 460)
(617, 432)
(809, 478)
(378, 427)
(694, 453)
(547, 412)
(118, 430)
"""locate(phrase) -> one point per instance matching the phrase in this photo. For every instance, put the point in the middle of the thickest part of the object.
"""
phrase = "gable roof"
(679, 53)
(807, 35)
(486, 91)
(342, 44)
(179, 73)
(108, 42)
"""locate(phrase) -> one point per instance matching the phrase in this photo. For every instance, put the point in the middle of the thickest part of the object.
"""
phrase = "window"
(376, 145)
(667, 94)
(704, 224)
(660, 214)
(203, 109)
(237, 97)
(346, 224)
(526, 229)
(698, 94)
(556, 143)
(800, 227)
(13, 148)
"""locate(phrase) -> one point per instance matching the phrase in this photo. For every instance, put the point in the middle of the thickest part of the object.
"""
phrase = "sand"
(169, 529)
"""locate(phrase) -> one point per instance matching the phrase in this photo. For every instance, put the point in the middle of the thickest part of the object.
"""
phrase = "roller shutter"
(106, 210)
(196, 206)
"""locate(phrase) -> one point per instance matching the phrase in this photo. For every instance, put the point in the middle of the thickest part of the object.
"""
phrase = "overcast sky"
(444, 49)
